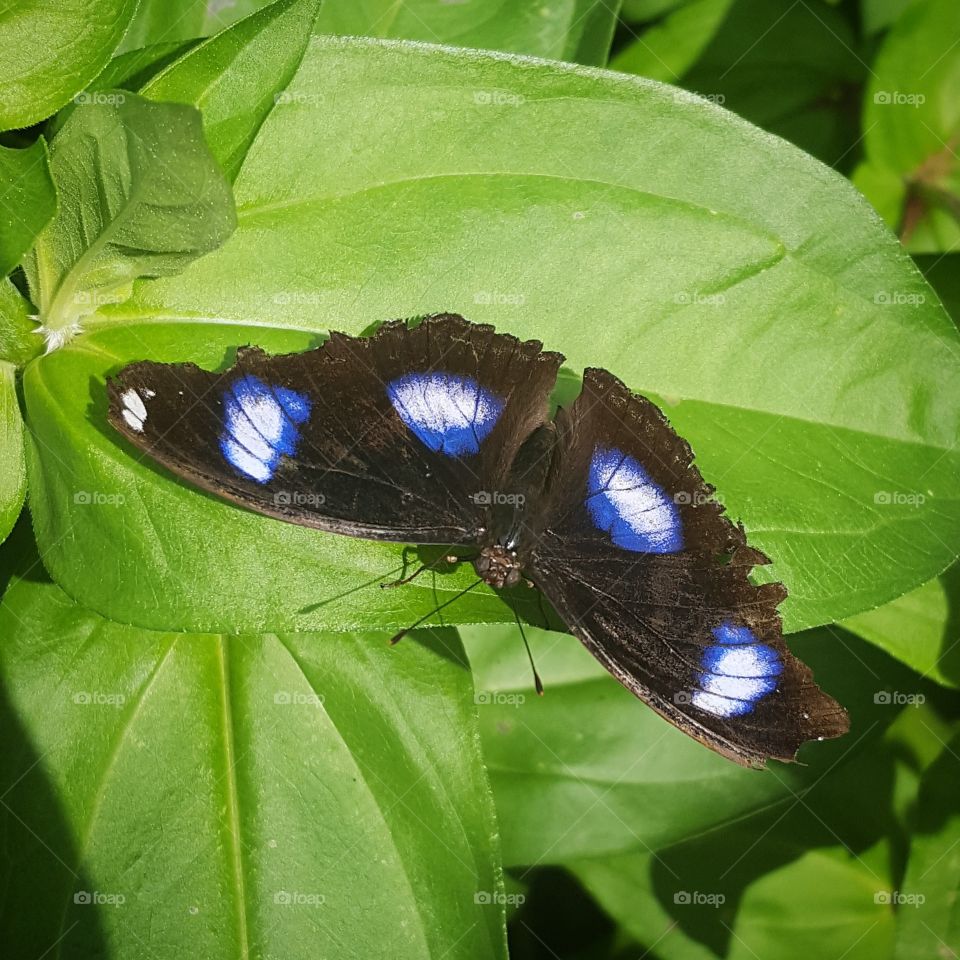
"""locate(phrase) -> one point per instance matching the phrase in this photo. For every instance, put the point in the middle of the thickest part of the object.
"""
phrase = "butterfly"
(439, 433)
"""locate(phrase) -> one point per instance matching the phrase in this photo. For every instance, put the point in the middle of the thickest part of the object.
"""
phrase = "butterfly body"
(439, 434)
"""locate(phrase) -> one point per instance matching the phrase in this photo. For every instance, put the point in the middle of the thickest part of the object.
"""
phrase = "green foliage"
(140, 195)
(51, 50)
(27, 200)
(208, 746)
(264, 789)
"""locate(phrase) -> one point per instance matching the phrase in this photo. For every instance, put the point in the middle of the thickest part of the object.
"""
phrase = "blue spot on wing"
(623, 500)
(738, 671)
(448, 413)
(260, 426)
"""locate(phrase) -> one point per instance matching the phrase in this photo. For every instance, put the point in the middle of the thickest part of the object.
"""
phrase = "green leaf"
(20, 340)
(587, 770)
(13, 476)
(919, 628)
(578, 30)
(127, 71)
(236, 77)
(943, 272)
(911, 120)
(140, 196)
(824, 900)
(667, 50)
(786, 66)
(51, 50)
(752, 290)
(636, 11)
(27, 200)
(286, 796)
(928, 901)
(877, 15)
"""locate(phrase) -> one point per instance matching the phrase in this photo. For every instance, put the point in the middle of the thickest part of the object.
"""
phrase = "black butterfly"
(439, 434)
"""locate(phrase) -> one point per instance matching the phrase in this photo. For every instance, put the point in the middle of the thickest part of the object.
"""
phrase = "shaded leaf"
(294, 796)
(668, 49)
(929, 899)
(911, 121)
(588, 771)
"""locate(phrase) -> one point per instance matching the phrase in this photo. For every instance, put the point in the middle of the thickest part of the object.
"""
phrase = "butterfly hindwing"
(647, 571)
(387, 437)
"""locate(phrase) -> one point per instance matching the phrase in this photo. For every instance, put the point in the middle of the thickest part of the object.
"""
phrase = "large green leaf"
(13, 475)
(752, 292)
(51, 50)
(911, 120)
(578, 30)
(236, 77)
(247, 796)
(27, 200)
(140, 195)
(929, 899)
(587, 770)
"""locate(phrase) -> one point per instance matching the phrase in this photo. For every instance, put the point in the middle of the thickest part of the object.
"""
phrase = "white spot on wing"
(134, 411)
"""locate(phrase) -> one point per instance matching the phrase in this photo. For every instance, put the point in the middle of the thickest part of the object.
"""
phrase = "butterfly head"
(498, 566)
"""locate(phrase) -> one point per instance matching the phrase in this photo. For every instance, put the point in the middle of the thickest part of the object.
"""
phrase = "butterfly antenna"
(396, 638)
(537, 682)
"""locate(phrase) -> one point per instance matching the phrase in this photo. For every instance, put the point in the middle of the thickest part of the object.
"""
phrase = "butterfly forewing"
(649, 573)
(393, 437)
